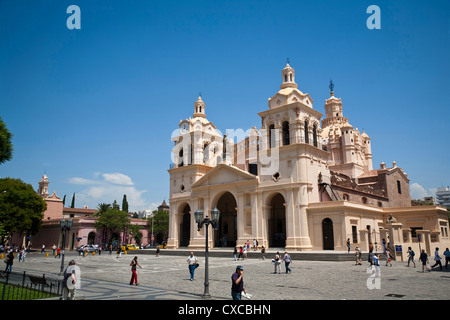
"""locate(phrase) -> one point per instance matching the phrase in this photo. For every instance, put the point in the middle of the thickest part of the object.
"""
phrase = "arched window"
(286, 137)
(315, 135)
(290, 74)
(271, 136)
(285, 78)
(306, 132)
(180, 158)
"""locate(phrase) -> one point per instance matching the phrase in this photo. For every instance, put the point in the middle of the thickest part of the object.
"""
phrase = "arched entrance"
(185, 226)
(226, 235)
(277, 222)
(91, 238)
(327, 233)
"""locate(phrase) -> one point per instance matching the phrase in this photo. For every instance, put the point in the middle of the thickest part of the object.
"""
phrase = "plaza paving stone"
(106, 277)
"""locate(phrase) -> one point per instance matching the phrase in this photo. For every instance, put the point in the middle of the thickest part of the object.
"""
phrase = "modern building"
(443, 196)
(299, 182)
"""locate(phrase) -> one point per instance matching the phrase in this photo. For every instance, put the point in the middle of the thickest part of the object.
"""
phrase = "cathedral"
(302, 181)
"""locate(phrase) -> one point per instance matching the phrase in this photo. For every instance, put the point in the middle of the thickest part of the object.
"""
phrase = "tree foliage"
(21, 208)
(124, 203)
(160, 221)
(114, 220)
(6, 147)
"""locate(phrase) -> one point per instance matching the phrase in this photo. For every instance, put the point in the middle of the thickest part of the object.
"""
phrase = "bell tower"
(288, 74)
(43, 187)
(199, 108)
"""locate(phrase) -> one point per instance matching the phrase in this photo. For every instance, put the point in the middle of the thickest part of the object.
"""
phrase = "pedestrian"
(358, 256)
(192, 262)
(237, 283)
(54, 249)
(437, 258)
(348, 245)
(110, 249)
(263, 252)
(69, 280)
(254, 245)
(388, 257)
(277, 263)
(424, 258)
(235, 253)
(43, 248)
(58, 253)
(447, 257)
(157, 251)
(241, 253)
(9, 261)
(245, 252)
(376, 263)
(134, 263)
(119, 252)
(411, 255)
(370, 252)
(384, 246)
(287, 261)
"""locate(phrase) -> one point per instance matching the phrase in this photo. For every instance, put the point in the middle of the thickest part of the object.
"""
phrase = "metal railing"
(28, 286)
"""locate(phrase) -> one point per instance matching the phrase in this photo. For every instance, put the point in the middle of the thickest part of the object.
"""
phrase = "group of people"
(10, 255)
(425, 260)
(374, 258)
(277, 261)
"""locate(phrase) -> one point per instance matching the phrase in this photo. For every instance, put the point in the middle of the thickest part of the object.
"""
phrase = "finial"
(287, 60)
(200, 94)
(331, 86)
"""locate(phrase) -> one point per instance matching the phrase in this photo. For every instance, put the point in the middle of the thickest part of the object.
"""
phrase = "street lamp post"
(214, 221)
(65, 226)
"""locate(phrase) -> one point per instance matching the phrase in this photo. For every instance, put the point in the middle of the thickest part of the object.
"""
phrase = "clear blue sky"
(95, 108)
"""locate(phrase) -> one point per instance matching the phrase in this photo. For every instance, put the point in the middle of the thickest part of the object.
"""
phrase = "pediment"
(224, 174)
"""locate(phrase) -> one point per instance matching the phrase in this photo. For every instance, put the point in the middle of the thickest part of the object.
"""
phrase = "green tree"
(21, 208)
(102, 208)
(113, 220)
(134, 230)
(124, 203)
(6, 147)
(160, 221)
(73, 201)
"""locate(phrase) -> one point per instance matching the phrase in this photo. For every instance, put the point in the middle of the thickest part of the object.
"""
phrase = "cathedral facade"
(299, 182)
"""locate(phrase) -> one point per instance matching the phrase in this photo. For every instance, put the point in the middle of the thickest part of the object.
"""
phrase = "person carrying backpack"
(411, 255)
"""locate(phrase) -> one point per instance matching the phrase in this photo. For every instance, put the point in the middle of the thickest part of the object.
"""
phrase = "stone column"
(291, 237)
(172, 241)
(396, 239)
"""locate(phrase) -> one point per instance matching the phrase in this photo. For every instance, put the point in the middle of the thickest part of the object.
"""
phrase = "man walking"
(69, 281)
(192, 261)
(437, 258)
(237, 283)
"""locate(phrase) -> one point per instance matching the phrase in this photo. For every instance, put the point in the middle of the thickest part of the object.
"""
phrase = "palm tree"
(102, 208)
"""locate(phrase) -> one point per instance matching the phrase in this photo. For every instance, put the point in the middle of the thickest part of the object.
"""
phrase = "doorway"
(327, 233)
(277, 222)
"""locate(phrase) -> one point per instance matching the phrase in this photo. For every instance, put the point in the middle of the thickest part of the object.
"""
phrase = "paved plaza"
(106, 277)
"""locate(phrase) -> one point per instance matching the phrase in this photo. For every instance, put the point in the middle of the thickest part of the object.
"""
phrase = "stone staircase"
(325, 255)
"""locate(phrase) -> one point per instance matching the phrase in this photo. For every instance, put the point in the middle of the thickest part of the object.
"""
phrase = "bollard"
(46, 255)
(93, 253)
(2, 256)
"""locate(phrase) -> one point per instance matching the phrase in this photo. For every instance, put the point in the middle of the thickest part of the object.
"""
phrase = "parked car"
(129, 247)
(89, 248)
